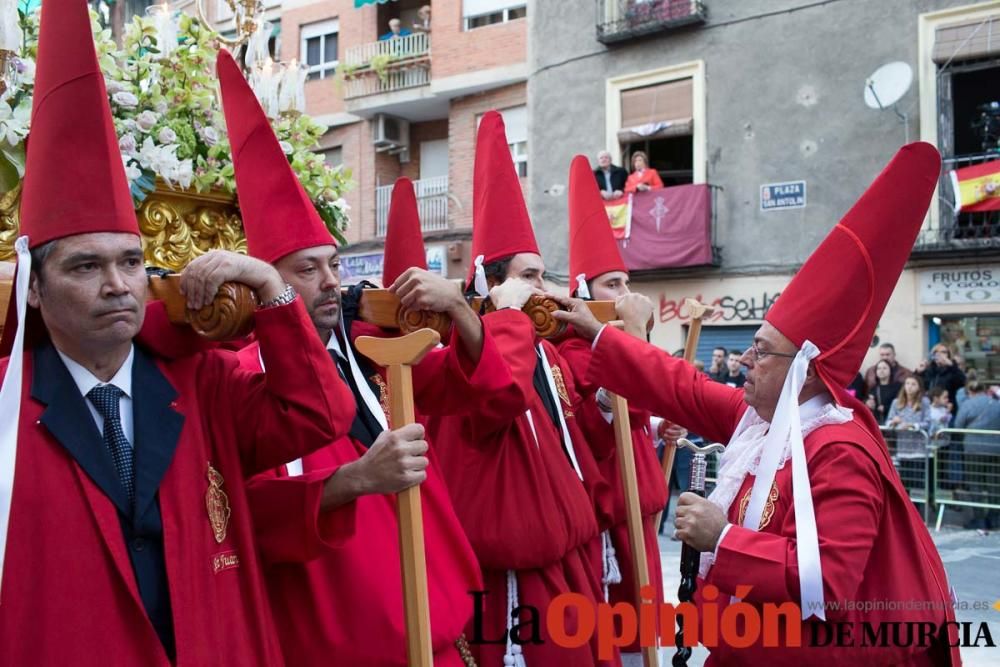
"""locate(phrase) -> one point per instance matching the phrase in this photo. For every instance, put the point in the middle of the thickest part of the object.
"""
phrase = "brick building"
(407, 106)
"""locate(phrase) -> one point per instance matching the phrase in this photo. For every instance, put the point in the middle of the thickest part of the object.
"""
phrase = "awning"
(362, 3)
(657, 111)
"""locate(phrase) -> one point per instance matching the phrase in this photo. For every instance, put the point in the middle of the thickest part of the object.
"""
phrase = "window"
(333, 156)
(515, 120)
(480, 13)
(319, 48)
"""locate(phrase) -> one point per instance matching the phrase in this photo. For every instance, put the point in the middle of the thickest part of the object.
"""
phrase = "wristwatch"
(286, 297)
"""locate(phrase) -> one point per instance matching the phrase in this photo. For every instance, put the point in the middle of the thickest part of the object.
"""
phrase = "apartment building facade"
(764, 104)
(405, 106)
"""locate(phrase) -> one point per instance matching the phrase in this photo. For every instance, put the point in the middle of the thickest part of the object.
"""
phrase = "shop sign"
(960, 285)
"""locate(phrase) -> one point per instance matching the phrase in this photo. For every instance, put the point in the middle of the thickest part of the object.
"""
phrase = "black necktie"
(106, 399)
(365, 427)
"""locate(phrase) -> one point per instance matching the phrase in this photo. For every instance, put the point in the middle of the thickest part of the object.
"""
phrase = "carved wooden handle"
(229, 316)
(381, 308)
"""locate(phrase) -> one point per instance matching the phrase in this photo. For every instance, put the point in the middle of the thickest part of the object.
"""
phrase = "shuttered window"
(967, 40)
(657, 111)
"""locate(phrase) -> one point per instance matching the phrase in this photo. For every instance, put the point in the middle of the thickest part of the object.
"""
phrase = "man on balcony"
(610, 177)
(396, 30)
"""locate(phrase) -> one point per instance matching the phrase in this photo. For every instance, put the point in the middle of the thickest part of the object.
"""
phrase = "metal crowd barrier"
(967, 471)
(913, 456)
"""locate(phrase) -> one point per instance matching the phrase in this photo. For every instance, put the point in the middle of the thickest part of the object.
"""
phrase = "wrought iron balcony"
(387, 65)
(959, 233)
(619, 20)
(432, 205)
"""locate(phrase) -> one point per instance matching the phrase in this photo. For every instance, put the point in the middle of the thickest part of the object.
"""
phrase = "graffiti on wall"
(728, 308)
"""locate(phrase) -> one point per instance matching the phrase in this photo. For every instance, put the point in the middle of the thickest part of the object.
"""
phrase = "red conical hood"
(74, 178)
(593, 250)
(278, 216)
(500, 222)
(838, 296)
(404, 242)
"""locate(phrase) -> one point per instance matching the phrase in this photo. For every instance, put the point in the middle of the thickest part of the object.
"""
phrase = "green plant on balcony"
(380, 65)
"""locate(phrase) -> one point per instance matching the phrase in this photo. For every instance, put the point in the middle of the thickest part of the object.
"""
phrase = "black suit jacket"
(618, 178)
(157, 430)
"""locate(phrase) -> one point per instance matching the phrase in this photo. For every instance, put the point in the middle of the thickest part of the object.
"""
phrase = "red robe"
(344, 601)
(873, 544)
(652, 484)
(69, 593)
(520, 501)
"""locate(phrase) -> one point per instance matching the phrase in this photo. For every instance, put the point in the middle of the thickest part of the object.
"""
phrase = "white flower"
(125, 99)
(180, 172)
(286, 147)
(132, 172)
(166, 136)
(127, 144)
(129, 125)
(209, 135)
(147, 120)
(14, 122)
(25, 71)
(342, 204)
(114, 87)
(161, 107)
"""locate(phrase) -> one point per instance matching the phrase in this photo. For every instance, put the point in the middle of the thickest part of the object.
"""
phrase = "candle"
(166, 29)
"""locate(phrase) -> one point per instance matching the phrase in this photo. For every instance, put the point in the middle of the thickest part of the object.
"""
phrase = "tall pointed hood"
(864, 255)
(278, 216)
(500, 223)
(404, 242)
(74, 179)
(593, 250)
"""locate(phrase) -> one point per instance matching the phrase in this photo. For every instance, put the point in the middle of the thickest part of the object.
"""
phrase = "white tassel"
(482, 288)
(612, 574)
(513, 657)
(582, 291)
(10, 394)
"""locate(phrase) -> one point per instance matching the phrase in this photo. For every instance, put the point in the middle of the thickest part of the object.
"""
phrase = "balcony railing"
(387, 65)
(954, 232)
(432, 204)
(619, 20)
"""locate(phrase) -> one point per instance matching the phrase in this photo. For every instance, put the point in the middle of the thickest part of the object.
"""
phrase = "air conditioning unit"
(390, 133)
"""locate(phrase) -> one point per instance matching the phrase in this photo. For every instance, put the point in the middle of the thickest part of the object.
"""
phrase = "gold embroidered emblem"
(217, 504)
(557, 378)
(765, 517)
(383, 394)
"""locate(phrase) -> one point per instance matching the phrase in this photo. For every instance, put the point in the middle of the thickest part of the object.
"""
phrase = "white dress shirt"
(85, 381)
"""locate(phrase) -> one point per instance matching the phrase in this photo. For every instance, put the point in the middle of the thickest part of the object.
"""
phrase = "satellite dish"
(888, 84)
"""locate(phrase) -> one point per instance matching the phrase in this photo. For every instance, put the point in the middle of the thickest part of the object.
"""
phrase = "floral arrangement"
(165, 104)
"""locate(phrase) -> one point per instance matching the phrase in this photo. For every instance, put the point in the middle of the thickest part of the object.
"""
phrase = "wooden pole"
(633, 514)
(398, 356)
(699, 311)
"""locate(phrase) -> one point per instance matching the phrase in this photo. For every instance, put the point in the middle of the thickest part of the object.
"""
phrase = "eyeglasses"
(757, 354)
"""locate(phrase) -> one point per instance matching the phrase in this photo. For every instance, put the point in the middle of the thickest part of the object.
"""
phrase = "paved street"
(972, 561)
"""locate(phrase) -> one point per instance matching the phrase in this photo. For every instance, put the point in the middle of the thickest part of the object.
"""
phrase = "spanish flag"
(977, 188)
(620, 216)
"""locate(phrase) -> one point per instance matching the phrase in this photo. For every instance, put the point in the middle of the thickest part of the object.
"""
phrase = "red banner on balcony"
(977, 188)
(665, 228)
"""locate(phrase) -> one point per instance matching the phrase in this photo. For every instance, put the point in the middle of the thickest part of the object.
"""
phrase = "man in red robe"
(598, 271)
(524, 484)
(130, 539)
(808, 507)
(334, 600)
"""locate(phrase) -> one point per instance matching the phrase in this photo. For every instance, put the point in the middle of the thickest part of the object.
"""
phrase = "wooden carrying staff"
(633, 515)
(699, 311)
(398, 356)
